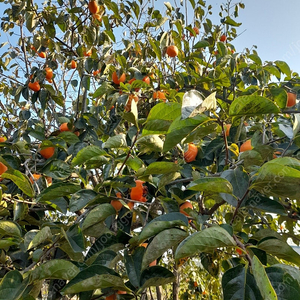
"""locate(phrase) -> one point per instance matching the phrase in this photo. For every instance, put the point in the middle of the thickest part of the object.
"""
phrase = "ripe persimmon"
(131, 80)
(47, 152)
(291, 99)
(73, 64)
(246, 146)
(185, 205)
(130, 98)
(191, 153)
(121, 292)
(49, 73)
(116, 79)
(42, 54)
(138, 192)
(3, 168)
(223, 38)
(35, 177)
(197, 31)
(96, 72)
(172, 51)
(159, 95)
(146, 79)
(93, 7)
(2, 139)
(227, 127)
(64, 127)
(117, 205)
(111, 297)
(35, 86)
(153, 263)
(87, 53)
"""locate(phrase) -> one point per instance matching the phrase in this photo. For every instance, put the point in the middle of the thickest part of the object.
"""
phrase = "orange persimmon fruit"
(246, 146)
(116, 79)
(172, 51)
(35, 86)
(185, 205)
(191, 153)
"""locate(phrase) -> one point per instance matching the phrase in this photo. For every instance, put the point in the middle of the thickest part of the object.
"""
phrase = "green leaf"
(239, 284)
(179, 129)
(57, 190)
(98, 214)
(256, 59)
(43, 235)
(161, 167)
(284, 67)
(69, 137)
(133, 264)
(207, 240)
(280, 96)
(94, 277)
(150, 143)
(57, 169)
(117, 141)
(272, 70)
(160, 118)
(20, 180)
(283, 280)
(239, 181)
(75, 238)
(211, 185)
(279, 249)
(86, 154)
(156, 276)
(81, 198)
(105, 258)
(159, 224)
(13, 286)
(279, 177)
(251, 106)
(20, 210)
(262, 280)
(231, 22)
(9, 228)
(105, 88)
(201, 44)
(163, 241)
(55, 269)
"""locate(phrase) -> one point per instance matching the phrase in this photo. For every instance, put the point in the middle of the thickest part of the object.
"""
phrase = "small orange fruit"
(47, 152)
(159, 95)
(35, 177)
(2, 139)
(121, 292)
(49, 73)
(3, 168)
(146, 79)
(185, 205)
(130, 205)
(93, 7)
(130, 98)
(73, 64)
(117, 205)
(223, 38)
(172, 51)
(197, 31)
(195, 283)
(239, 251)
(33, 48)
(88, 53)
(291, 99)
(246, 146)
(153, 263)
(227, 127)
(42, 54)
(138, 192)
(35, 86)
(96, 72)
(64, 127)
(111, 297)
(131, 80)
(116, 79)
(191, 154)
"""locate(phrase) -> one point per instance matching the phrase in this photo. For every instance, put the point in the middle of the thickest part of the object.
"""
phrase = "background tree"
(142, 157)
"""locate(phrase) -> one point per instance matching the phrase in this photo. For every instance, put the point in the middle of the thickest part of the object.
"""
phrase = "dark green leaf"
(252, 105)
(81, 198)
(207, 240)
(57, 169)
(211, 185)
(75, 238)
(86, 154)
(162, 167)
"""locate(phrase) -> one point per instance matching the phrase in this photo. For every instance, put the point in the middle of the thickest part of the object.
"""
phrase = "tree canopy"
(143, 157)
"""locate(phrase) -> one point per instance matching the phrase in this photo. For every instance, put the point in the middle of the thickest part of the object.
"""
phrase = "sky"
(271, 25)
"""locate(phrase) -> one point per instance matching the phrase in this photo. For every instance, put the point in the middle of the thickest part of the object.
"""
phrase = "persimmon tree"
(121, 170)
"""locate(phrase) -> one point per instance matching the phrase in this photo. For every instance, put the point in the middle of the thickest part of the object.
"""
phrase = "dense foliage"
(141, 153)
